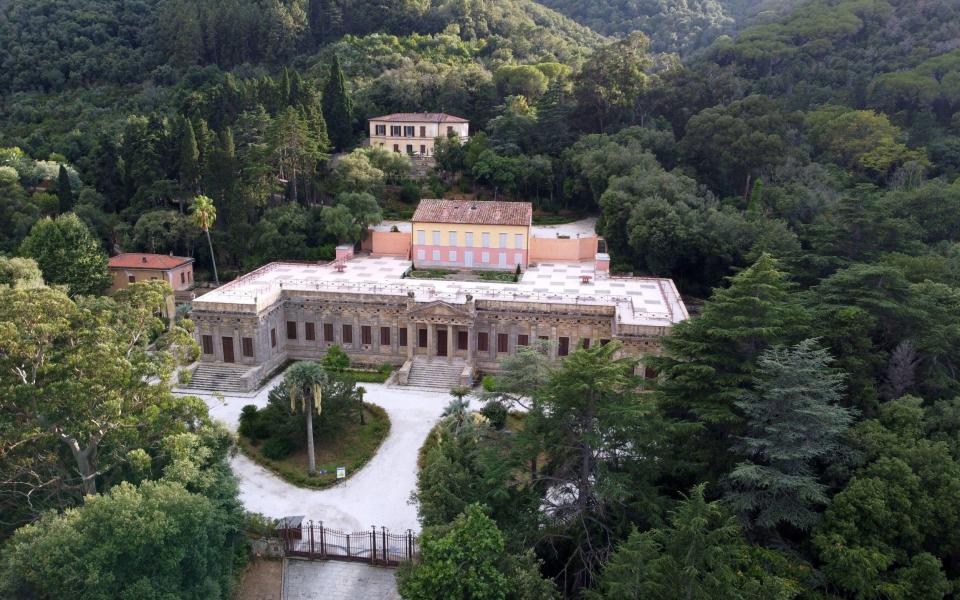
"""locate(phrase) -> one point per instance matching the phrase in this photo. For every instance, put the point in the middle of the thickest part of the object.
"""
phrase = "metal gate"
(376, 546)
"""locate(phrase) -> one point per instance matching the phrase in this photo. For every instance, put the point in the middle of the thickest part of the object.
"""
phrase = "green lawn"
(352, 448)
(430, 273)
(501, 276)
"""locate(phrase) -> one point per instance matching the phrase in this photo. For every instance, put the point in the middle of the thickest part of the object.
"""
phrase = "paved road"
(378, 495)
(330, 580)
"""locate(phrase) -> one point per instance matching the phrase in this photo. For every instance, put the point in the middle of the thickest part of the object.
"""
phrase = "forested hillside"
(798, 179)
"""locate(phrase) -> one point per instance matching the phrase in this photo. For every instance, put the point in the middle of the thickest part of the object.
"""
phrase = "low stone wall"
(543, 249)
(390, 243)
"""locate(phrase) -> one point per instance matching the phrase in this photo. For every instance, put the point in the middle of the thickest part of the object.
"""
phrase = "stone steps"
(435, 374)
(219, 377)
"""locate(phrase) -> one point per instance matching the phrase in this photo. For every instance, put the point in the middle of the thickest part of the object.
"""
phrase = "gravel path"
(378, 495)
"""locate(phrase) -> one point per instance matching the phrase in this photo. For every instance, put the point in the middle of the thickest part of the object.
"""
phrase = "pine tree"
(708, 362)
(553, 118)
(337, 107)
(64, 191)
(793, 419)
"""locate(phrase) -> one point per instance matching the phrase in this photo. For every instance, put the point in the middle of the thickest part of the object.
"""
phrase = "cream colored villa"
(414, 133)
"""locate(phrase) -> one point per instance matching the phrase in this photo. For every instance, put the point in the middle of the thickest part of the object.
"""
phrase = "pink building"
(132, 267)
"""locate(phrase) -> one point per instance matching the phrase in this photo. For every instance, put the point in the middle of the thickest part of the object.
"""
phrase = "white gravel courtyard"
(377, 495)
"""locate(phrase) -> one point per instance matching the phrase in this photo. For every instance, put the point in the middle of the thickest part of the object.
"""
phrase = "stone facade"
(399, 322)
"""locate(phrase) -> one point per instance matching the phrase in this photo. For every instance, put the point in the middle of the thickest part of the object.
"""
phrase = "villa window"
(523, 340)
(503, 240)
(131, 278)
(485, 257)
(409, 148)
(422, 338)
(183, 277)
(462, 337)
(452, 256)
(436, 238)
(310, 333)
(485, 237)
(423, 132)
(436, 256)
(396, 148)
(208, 344)
(421, 237)
(421, 254)
(384, 336)
(469, 240)
(273, 337)
(564, 346)
(453, 238)
(247, 345)
(449, 130)
(502, 342)
(395, 130)
(482, 342)
(586, 343)
(423, 150)
(403, 337)
(518, 241)
(291, 330)
(381, 130)
(409, 131)
(348, 334)
(366, 335)
(604, 342)
(518, 259)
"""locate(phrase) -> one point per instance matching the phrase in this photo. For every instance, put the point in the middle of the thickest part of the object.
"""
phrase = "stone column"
(492, 340)
(451, 343)
(431, 340)
(554, 343)
(471, 337)
(411, 339)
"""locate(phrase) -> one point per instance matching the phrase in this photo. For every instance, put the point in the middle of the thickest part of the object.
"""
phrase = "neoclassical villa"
(414, 133)
(439, 332)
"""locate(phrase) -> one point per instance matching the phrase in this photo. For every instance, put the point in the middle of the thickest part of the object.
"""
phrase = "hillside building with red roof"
(414, 133)
(131, 267)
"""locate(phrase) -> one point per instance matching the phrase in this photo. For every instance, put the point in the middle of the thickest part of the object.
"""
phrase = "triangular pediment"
(438, 309)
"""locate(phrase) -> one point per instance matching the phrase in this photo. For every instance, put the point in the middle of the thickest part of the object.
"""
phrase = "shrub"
(184, 376)
(496, 413)
(277, 448)
(249, 422)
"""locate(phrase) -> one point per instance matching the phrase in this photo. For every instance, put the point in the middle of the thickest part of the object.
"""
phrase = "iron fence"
(375, 546)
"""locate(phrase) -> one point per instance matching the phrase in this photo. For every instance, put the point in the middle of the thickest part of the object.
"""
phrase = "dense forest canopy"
(793, 166)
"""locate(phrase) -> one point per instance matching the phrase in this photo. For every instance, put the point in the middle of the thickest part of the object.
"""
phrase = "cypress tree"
(64, 191)
(337, 107)
(189, 159)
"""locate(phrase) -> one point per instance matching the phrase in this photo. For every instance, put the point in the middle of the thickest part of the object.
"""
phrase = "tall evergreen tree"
(708, 362)
(793, 419)
(64, 191)
(337, 107)
(68, 254)
(189, 160)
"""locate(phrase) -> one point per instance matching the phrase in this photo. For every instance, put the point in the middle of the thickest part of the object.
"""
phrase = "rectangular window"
(518, 259)
(291, 330)
(485, 239)
(502, 342)
(131, 278)
(649, 373)
(586, 343)
(452, 236)
(482, 343)
(462, 337)
(503, 259)
(409, 130)
(328, 332)
(503, 241)
(273, 337)
(310, 333)
(403, 337)
(347, 334)
(421, 237)
(436, 256)
(246, 345)
(190, 276)
(421, 254)
(423, 131)
(436, 238)
(543, 338)
(523, 340)
(423, 150)
(422, 338)
(381, 130)
(518, 241)
(396, 147)
(449, 130)
(395, 130)
(183, 277)
(485, 257)
(452, 256)
(366, 335)
(604, 342)
(469, 240)
(564, 346)
(409, 148)
(208, 344)
(384, 336)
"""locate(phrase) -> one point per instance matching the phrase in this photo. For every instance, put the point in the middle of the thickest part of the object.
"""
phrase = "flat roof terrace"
(646, 301)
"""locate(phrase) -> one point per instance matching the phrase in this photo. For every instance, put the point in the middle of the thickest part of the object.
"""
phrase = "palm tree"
(304, 382)
(204, 216)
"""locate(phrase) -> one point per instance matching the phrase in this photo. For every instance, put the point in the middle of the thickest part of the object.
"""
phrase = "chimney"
(602, 264)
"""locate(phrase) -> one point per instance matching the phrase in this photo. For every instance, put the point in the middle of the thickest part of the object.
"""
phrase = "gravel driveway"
(377, 495)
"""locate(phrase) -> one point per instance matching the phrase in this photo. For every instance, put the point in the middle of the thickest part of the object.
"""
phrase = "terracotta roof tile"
(421, 118)
(135, 260)
(474, 212)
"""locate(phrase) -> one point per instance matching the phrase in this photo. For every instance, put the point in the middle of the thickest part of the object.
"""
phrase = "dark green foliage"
(496, 414)
(67, 254)
(276, 448)
(337, 107)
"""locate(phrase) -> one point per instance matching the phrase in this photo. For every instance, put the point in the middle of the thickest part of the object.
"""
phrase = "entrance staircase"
(219, 377)
(435, 373)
